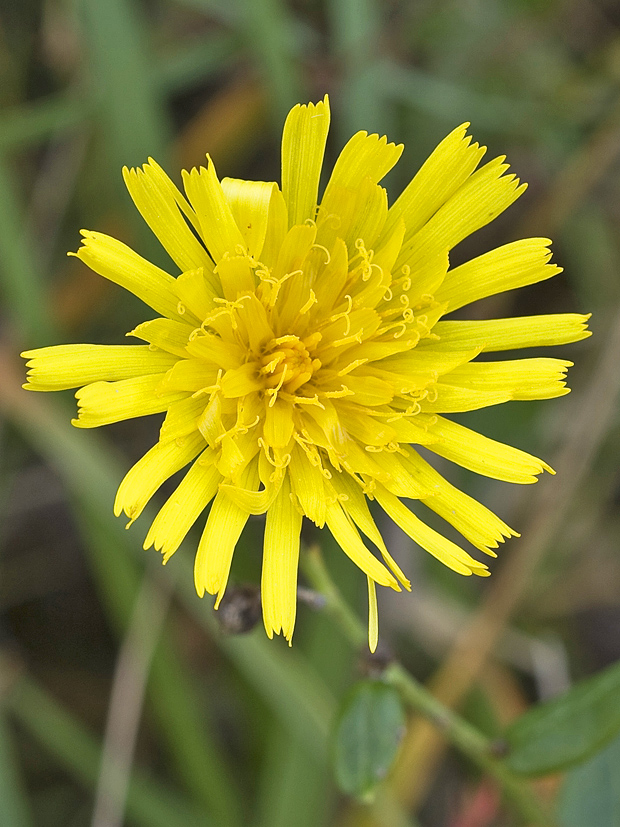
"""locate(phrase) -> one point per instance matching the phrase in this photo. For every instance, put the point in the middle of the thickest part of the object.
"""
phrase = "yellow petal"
(210, 421)
(346, 329)
(408, 430)
(366, 428)
(155, 467)
(442, 174)
(332, 279)
(278, 423)
(219, 538)
(474, 521)
(307, 484)
(351, 214)
(165, 334)
(368, 390)
(68, 366)
(237, 452)
(253, 501)
(236, 276)
(196, 290)
(436, 544)
(513, 265)
(254, 324)
(480, 454)
(425, 361)
(184, 506)
(389, 244)
(511, 334)
(429, 274)
(104, 402)
(373, 616)
(358, 461)
(356, 506)
(347, 537)
(295, 247)
(170, 191)
(443, 398)
(181, 418)
(118, 263)
(374, 285)
(303, 147)
(157, 199)
(277, 227)
(402, 479)
(374, 350)
(241, 381)
(249, 203)
(280, 562)
(217, 225)
(326, 417)
(364, 156)
(213, 349)
(189, 375)
(486, 194)
(295, 294)
(520, 378)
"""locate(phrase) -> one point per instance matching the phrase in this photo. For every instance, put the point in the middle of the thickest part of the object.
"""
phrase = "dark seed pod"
(239, 610)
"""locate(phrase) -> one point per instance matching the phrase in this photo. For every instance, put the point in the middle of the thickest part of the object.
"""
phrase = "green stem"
(314, 568)
(456, 729)
(470, 741)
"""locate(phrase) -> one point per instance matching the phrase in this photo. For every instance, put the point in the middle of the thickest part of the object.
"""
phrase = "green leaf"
(367, 735)
(591, 793)
(569, 729)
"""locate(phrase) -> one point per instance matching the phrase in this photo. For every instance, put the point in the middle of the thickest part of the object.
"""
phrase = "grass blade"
(126, 96)
(15, 810)
(271, 35)
(23, 289)
(148, 803)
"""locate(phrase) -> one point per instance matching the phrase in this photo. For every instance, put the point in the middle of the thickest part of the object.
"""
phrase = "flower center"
(287, 363)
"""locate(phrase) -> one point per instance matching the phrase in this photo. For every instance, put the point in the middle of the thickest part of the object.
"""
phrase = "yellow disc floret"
(287, 364)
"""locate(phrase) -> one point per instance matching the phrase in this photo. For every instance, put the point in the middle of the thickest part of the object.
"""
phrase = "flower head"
(301, 355)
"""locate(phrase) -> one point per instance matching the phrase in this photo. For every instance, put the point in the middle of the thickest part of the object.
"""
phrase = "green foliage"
(149, 804)
(368, 732)
(569, 729)
(15, 806)
(590, 793)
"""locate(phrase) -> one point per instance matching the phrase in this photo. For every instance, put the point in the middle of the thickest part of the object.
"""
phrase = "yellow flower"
(300, 355)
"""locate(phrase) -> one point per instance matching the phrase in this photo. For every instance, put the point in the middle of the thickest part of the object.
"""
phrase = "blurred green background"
(235, 730)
